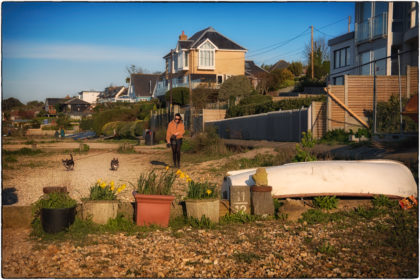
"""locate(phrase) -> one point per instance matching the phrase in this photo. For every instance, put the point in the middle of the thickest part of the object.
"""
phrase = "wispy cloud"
(80, 52)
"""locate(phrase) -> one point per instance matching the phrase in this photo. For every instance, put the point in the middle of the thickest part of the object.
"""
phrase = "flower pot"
(153, 209)
(58, 219)
(203, 207)
(100, 210)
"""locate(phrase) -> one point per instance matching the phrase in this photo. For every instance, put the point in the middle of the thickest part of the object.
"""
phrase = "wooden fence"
(357, 95)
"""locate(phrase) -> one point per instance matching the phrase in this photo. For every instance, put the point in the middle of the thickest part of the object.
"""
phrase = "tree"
(133, 69)
(235, 87)
(202, 96)
(277, 78)
(180, 96)
(11, 103)
(266, 66)
(321, 60)
(296, 68)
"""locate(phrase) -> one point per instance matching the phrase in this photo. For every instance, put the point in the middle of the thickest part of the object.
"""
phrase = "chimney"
(183, 37)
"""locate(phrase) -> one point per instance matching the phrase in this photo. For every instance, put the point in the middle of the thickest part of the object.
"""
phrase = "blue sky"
(54, 49)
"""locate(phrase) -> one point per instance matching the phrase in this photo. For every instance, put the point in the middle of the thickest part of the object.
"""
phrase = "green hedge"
(127, 130)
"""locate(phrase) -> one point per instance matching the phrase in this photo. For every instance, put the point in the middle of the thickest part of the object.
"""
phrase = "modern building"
(208, 57)
(381, 29)
(89, 96)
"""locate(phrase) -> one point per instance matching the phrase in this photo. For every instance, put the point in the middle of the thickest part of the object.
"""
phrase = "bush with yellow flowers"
(105, 191)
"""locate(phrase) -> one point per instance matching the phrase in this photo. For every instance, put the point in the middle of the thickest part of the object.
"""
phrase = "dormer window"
(206, 55)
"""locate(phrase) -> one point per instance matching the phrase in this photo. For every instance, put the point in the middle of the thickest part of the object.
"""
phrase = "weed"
(239, 217)
(403, 231)
(368, 213)
(203, 223)
(317, 216)
(383, 201)
(126, 149)
(326, 248)
(248, 257)
(22, 152)
(326, 202)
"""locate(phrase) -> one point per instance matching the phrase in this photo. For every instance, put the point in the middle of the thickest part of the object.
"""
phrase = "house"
(114, 94)
(281, 64)
(51, 103)
(89, 96)
(76, 108)
(254, 72)
(381, 29)
(142, 86)
(207, 56)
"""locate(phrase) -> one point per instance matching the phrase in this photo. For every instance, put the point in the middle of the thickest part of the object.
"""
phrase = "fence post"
(374, 97)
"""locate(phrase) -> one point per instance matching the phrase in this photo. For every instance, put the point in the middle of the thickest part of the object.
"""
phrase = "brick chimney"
(183, 37)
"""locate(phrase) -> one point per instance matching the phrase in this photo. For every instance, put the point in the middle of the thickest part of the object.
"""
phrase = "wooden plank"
(346, 108)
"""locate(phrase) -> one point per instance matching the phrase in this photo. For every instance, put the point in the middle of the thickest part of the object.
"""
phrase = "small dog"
(68, 163)
(115, 164)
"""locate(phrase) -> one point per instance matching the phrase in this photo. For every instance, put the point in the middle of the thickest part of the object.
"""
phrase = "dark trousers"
(176, 151)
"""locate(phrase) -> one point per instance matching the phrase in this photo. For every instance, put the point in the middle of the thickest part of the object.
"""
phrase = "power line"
(333, 23)
(324, 33)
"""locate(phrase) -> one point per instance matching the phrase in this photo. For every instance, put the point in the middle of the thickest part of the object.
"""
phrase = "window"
(219, 79)
(206, 56)
(342, 58)
(186, 59)
(369, 56)
(339, 80)
(365, 58)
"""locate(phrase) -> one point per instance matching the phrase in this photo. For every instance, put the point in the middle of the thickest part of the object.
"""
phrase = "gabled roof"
(111, 92)
(252, 69)
(215, 37)
(185, 44)
(281, 64)
(76, 101)
(53, 101)
(144, 84)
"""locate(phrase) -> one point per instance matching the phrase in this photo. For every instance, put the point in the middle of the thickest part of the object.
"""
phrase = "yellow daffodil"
(118, 190)
(189, 180)
(208, 192)
(98, 182)
(178, 172)
(103, 185)
(167, 167)
(112, 188)
(182, 175)
(112, 184)
(123, 187)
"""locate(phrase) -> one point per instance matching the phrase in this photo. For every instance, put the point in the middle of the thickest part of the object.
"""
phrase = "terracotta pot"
(100, 210)
(203, 207)
(261, 189)
(153, 209)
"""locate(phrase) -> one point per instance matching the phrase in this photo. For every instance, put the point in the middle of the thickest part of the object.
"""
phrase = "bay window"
(206, 56)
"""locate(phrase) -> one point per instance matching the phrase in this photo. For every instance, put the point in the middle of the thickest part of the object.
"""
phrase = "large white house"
(89, 96)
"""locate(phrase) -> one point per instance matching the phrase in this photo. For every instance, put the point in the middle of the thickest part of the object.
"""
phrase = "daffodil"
(103, 185)
(98, 182)
(167, 167)
(112, 188)
(112, 184)
(189, 180)
(182, 175)
(123, 187)
(208, 192)
(178, 172)
(119, 190)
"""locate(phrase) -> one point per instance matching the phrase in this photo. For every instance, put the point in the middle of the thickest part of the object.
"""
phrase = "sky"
(54, 49)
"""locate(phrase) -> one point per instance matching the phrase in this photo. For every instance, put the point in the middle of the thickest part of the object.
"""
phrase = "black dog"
(115, 164)
(68, 163)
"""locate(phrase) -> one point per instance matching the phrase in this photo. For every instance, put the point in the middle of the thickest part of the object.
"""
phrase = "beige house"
(208, 57)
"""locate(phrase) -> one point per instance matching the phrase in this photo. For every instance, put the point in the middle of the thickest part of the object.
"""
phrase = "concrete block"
(240, 199)
(262, 203)
(203, 207)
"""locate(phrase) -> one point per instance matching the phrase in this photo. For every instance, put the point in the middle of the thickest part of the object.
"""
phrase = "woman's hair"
(178, 115)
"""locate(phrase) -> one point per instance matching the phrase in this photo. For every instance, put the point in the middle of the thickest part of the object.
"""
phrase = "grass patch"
(22, 152)
(126, 149)
(326, 202)
(247, 257)
(237, 218)
(327, 249)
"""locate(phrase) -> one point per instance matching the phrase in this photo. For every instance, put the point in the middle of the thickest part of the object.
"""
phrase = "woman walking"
(174, 135)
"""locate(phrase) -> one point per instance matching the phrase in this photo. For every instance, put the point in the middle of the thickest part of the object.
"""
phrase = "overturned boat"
(365, 178)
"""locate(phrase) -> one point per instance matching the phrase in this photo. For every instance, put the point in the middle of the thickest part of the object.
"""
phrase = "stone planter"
(153, 209)
(261, 200)
(203, 207)
(100, 210)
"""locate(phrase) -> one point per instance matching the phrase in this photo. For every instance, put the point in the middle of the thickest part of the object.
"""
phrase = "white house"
(89, 96)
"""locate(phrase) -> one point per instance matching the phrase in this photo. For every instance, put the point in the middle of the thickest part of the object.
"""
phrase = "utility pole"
(170, 87)
(348, 29)
(312, 52)
(399, 83)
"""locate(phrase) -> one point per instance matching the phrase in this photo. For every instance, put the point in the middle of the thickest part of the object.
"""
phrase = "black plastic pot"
(56, 220)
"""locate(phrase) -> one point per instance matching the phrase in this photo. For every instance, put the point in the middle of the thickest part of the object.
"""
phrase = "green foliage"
(235, 87)
(336, 136)
(320, 59)
(22, 152)
(383, 201)
(156, 182)
(180, 96)
(122, 114)
(246, 257)
(103, 191)
(125, 130)
(260, 177)
(202, 96)
(255, 99)
(53, 201)
(303, 152)
(317, 216)
(296, 68)
(363, 132)
(326, 202)
(403, 232)
(388, 116)
(308, 82)
(10, 103)
(326, 248)
(260, 160)
(202, 223)
(202, 190)
(207, 142)
(277, 78)
(237, 218)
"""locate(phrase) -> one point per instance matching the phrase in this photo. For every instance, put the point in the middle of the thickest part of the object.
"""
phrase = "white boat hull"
(341, 178)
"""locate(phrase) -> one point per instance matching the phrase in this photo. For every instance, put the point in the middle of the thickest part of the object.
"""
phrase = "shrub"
(336, 135)
(53, 200)
(303, 152)
(202, 96)
(208, 142)
(180, 96)
(326, 202)
(383, 201)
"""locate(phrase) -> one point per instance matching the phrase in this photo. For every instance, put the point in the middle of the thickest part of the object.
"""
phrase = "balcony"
(374, 27)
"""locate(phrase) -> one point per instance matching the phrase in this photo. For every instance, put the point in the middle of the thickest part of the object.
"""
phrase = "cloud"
(79, 52)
